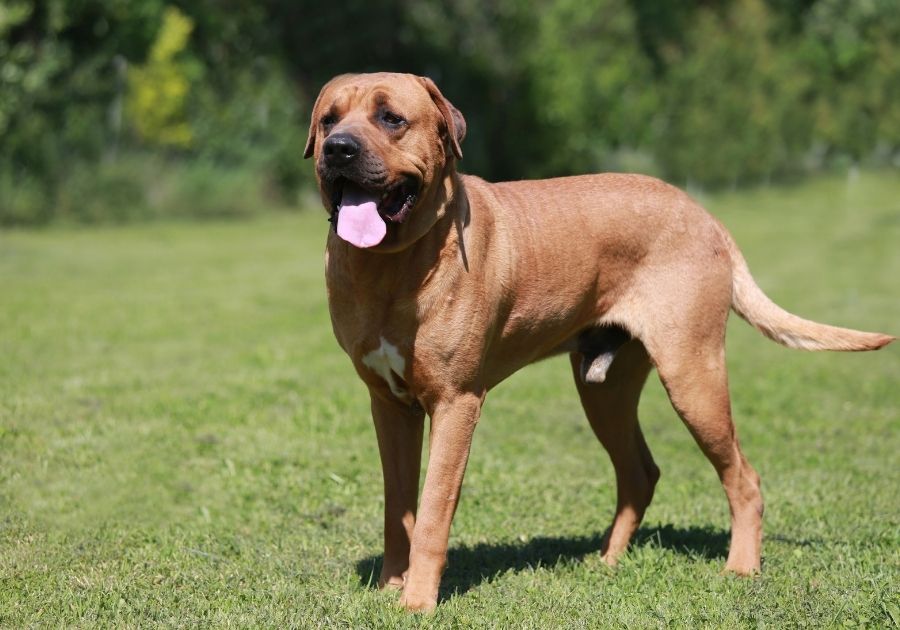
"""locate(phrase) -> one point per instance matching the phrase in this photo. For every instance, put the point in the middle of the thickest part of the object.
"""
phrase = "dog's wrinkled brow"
(343, 98)
(381, 98)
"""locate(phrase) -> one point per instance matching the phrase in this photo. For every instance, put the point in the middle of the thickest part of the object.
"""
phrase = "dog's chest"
(387, 362)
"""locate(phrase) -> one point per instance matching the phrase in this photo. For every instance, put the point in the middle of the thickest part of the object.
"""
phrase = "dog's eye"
(392, 119)
(328, 120)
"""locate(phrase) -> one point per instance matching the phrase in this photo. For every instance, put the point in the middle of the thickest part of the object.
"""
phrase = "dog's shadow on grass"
(467, 567)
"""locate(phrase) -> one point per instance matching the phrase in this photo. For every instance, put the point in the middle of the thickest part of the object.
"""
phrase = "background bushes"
(116, 111)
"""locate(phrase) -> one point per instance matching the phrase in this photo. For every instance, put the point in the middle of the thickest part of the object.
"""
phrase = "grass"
(183, 444)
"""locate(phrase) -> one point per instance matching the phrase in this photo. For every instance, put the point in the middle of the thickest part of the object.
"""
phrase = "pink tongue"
(358, 220)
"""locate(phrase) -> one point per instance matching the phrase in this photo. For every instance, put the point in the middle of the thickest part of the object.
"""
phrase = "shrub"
(158, 89)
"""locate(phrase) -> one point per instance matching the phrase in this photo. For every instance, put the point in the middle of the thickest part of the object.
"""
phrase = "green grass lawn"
(182, 443)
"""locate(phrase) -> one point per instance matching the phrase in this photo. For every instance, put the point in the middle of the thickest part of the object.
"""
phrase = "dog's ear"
(456, 124)
(313, 125)
(314, 122)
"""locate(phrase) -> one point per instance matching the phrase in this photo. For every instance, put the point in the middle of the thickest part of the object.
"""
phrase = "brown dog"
(441, 285)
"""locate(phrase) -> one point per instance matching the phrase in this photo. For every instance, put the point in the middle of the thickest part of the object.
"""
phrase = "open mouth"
(393, 202)
(360, 214)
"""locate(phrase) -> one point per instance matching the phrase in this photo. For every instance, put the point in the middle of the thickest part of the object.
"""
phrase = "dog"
(441, 285)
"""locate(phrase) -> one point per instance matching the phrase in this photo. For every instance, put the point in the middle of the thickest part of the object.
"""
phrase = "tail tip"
(880, 341)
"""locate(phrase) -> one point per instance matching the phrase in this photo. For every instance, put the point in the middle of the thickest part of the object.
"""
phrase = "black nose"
(341, 149)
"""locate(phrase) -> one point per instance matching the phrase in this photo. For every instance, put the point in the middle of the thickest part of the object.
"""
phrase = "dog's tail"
(777, 324)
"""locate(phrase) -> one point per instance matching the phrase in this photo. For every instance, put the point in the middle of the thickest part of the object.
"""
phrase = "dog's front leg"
(452, 424)
(399, 430)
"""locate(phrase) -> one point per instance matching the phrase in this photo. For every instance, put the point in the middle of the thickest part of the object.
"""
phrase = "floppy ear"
(456, 124)
(313, 124)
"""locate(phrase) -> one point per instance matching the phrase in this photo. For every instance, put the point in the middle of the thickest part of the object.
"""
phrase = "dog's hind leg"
(697, 383)
(611, 407)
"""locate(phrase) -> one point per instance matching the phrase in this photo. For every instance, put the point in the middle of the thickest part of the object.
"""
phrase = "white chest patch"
(387, 363)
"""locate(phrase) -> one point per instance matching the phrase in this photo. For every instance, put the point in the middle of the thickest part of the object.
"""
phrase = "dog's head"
(384, 144)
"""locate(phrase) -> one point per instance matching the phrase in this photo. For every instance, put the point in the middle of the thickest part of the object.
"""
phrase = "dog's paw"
(417, 601)
(749, 568)
(611, 560)
(743, 561)
(391, 581)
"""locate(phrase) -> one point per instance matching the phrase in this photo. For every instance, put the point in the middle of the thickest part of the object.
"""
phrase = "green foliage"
(749, 133)
(183, 444)
(158, 89)
(88, 89)
(257, 122)
(853, 49)
(29, 69)
(143, 186)
(596, 97)
(720, 93)
(59, 91)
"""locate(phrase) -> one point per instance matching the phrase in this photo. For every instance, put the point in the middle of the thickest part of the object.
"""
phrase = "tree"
(733, 114)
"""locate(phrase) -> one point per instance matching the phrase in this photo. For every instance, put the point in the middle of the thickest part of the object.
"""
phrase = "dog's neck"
(440, 253)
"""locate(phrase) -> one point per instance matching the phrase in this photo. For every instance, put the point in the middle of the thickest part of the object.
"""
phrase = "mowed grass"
(182, 443)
